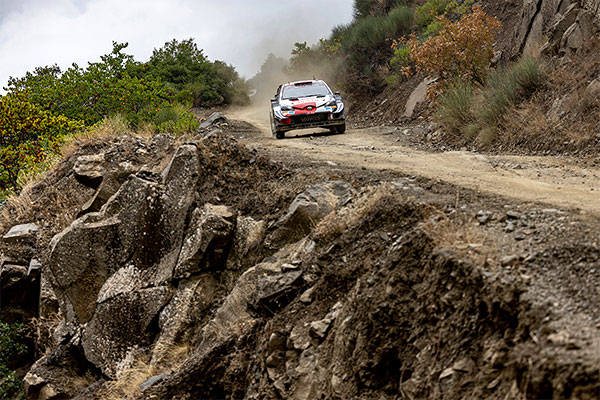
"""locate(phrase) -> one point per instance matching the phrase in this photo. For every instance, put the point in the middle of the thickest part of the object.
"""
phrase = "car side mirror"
(337, 93)
(274, 99)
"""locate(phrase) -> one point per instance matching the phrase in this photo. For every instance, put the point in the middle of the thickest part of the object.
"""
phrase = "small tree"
(462, 49)
(27, 136)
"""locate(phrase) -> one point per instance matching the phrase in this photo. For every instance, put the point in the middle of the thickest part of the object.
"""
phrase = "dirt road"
(557, 182)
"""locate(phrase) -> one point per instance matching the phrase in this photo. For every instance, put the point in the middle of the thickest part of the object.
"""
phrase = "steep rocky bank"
(206, 270)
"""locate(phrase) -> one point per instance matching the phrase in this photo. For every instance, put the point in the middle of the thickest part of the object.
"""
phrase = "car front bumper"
(331, 121)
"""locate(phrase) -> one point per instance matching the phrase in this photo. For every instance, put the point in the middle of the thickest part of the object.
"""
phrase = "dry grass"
(466, 239)
(128, 384)
(341, 220)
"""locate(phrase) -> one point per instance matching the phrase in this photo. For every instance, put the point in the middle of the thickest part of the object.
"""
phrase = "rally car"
(306, 104)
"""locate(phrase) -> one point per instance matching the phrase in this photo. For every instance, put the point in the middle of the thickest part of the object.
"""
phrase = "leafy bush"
(12, 347)
(365, 44)
(463, 49)
(427, 14)
(29, 136)
(176, 120)
(93, 93)
(365, 8)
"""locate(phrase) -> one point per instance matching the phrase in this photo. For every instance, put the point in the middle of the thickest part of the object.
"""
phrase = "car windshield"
(308, 90)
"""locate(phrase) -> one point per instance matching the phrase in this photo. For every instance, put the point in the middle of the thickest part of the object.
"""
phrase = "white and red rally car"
(306, 104)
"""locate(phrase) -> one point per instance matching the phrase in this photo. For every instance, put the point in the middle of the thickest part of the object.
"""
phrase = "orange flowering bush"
(462, 49)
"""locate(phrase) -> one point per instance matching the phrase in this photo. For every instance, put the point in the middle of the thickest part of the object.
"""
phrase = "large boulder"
(308, 208)
(180, 179)
(190, 304)
(208, 241)
(120, 327)
(87, 253)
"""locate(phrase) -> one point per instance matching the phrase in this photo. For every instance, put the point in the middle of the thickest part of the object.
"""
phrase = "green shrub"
(12, 347)
(478, 116)
(455, 104)
(176, 120)
(508, 86)
(366, 43)
(426, 14)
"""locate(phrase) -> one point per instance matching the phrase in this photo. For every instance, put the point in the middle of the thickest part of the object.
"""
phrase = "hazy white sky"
(240, 32)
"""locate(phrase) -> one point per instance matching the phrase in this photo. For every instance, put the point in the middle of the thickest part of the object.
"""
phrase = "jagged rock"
(213, 119)
(34, 267)
(61, 374)
(189, 305)
(22, 233)
(152, 381)
(307, 296)
(180, 179)
(276, 291)
(19, 293)
(318, 329)
(298, 339)
(417, 96)
(87, 253)
(308, 208)
(120, 326)
(89, 170)
(249, 235)
(112, 180)
(560, 26)
(208, 241)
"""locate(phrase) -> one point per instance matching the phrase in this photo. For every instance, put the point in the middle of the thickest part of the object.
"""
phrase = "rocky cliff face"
(204, 274)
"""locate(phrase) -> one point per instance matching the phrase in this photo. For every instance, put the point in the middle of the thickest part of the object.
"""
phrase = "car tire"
(274, 131)
(340, 129)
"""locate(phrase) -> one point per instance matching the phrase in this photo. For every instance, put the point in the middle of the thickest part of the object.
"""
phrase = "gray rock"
(179, 318)
(112, 180)
(180, 179)
(152, 381)
(120, 326)
(307, 296)
(249, 235)
(89, 170)
(308, 208)
(298, 339)
(214, 118)
(276, 291)
(208, 241)
(509, 260)
(418, 95)
(34, 267)
(22, 233)
(94, 247)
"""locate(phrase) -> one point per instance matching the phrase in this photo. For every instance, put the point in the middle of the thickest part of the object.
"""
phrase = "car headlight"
(286, 108)
(332, 103)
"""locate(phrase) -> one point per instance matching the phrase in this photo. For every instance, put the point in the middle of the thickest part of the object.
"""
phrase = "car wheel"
(340, 129)
(279, 134)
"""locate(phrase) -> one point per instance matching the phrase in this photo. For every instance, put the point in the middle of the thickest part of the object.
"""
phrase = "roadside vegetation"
(390, 42)
(44, 108)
